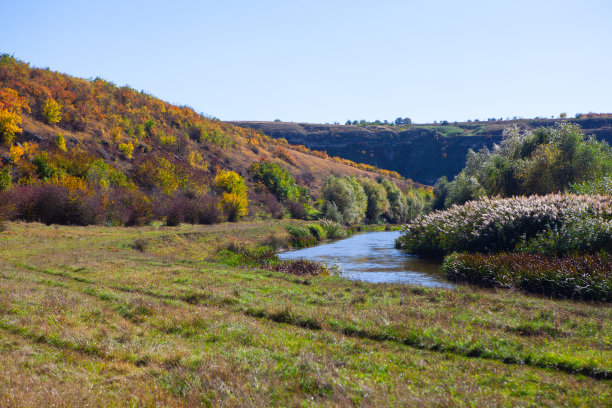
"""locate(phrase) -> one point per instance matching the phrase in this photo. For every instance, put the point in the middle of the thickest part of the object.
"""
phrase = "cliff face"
(422, 153)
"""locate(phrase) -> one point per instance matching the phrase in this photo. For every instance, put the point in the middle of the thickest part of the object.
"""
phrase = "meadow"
(154, 316)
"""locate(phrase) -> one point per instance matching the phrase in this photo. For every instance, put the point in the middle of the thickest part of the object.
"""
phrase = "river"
(372, 257)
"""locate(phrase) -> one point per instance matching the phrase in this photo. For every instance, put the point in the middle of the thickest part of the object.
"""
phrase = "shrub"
(587, 277)
(189, 208)
(599, 186)
(126, 206)
(332, 228)
(52, 112)
(284, 154)
(5, 178)
(230, 182)
(300, 237)
(45, 169)
(54, 204)
(495, 225)
(60, 142)
(297, 210)
(301, 267)
(161, 174)
(127, 149)
(578, 235)
(317, 231)
(267, 201)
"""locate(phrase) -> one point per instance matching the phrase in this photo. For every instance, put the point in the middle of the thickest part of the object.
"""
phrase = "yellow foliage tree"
(11, 105)
(231, 182)
(52, 111)
(234, 199)
(235, 206)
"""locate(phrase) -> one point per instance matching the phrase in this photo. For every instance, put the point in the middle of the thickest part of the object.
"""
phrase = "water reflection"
(372, 257)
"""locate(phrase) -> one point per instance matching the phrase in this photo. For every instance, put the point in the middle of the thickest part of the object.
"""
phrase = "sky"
(329, 61)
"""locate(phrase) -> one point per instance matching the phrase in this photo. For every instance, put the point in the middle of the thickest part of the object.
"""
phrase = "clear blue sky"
(327, 61)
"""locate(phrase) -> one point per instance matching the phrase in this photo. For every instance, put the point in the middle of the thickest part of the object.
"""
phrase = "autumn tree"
(11, 105)
(52, 111)
(234, 194)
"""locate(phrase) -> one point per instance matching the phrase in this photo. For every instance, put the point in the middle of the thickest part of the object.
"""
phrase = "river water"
(372, 257)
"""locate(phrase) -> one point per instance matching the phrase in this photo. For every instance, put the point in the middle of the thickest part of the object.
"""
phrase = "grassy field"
(145, 317)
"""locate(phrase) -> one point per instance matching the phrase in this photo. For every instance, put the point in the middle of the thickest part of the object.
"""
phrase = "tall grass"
(586, 277)
(494, 225)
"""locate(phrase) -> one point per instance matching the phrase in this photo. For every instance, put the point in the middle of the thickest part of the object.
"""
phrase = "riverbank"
(144, 316)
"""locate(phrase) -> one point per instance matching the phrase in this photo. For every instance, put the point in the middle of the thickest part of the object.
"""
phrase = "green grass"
(87, 317)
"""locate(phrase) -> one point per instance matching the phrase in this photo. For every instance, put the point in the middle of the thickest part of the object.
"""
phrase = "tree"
(11, 105)
(279, 181)
(234, 199)
(52, 111)
(563, 115)
(377, 202)
(403, 121)
(545, 160)
(345, 196)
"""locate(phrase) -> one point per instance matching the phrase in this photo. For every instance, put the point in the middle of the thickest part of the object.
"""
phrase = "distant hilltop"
(421, 152)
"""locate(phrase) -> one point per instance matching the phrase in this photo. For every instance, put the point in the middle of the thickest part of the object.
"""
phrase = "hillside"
(89, 135)
(420, 152)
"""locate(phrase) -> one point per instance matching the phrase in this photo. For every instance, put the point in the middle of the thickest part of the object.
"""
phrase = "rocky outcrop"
(422, 153)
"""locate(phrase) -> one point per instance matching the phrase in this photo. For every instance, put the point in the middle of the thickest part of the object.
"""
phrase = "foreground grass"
(142, 316)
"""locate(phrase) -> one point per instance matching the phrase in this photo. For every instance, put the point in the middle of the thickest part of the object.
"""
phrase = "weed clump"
(301, 267)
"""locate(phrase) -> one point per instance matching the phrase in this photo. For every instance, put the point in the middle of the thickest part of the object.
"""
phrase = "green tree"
(344, 195)
(279, 181)
(377, 202)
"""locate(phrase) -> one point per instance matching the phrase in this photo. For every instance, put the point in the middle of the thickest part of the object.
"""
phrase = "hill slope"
(55, 128)
(419, 152)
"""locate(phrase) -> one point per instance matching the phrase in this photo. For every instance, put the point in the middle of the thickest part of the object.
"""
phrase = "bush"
(587, 277)
(301, 267)
(317, 231)
(578, 235)
(332, 228)
(189, 208)
(5, 178)
(599, 186)
(297, 210)
(127, 149)
(60, 142)
(300, 237)
(54, 204)
(495, 225)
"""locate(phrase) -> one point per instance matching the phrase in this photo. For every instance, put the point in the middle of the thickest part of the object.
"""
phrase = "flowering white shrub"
(494, 224)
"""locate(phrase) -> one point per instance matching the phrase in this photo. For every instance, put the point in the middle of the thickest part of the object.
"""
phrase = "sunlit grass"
(88, 318)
